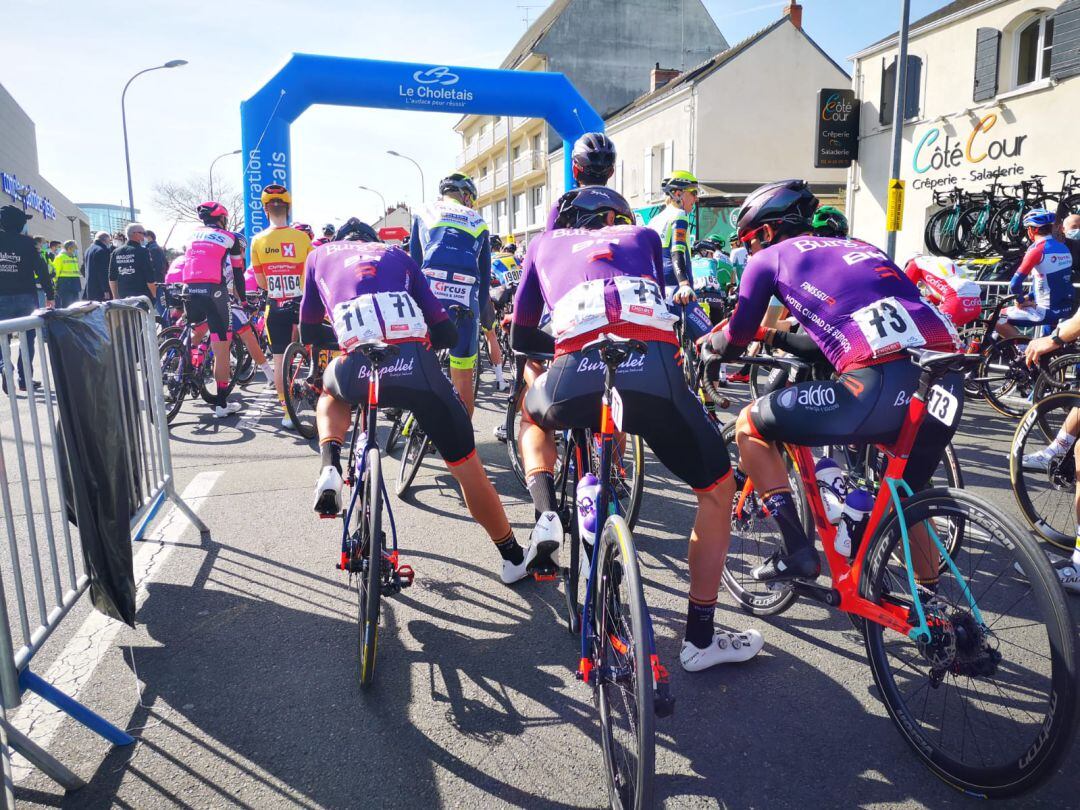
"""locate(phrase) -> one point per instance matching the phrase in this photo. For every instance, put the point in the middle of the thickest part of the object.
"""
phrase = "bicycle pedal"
(331, 517)
(405, 575)
(546, 574)
(663, 703)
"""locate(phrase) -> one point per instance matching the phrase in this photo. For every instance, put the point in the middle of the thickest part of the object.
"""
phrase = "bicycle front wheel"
(173, 385)
(623, 670)
(988, 699)
(300, 398)
(369, 579)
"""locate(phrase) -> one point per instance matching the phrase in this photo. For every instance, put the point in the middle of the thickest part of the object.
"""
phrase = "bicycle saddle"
(376, 351)
(940, 362)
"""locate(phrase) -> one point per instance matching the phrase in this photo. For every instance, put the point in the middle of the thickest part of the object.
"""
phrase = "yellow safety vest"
(66, 266)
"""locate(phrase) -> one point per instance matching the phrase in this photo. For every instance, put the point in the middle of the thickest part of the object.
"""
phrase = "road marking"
(75, 665)
(265, 404)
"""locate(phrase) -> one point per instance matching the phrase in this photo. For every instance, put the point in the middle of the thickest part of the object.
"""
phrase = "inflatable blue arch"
(308, 79)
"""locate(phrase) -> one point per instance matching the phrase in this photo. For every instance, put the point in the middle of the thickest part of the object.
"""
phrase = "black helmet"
(355, 230)
(458, 183)
(594, 156)
(496, 242)
(587, 207)
(787, 201)
(706, 244)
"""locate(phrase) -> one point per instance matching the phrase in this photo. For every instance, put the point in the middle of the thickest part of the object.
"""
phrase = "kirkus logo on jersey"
(435, 87)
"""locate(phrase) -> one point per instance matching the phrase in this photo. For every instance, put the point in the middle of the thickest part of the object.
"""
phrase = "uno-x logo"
(288, 250)
(436, 75)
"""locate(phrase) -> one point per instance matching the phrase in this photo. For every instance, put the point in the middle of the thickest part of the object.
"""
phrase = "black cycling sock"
(699, 623)
(541, 486)
(781, 506)
(510, 549)
(222, 398)
(330, 453)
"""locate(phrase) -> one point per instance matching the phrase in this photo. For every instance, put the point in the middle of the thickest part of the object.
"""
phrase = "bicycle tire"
(974, 241)
(296, 367)
(513, 448)
(630, 785)
(209, 389)
(753, 597)
(572, 545)
(1046, 498)
(411, 459)
(173, 382)
(1005, 377)
(1071, 203)
(245, 363)
(946, 233)
(930, 229)
(971, 655)
(629, 497)
(169, 333)
(1004, 231)
(1061, 373)
(392, 438)
(369, 583)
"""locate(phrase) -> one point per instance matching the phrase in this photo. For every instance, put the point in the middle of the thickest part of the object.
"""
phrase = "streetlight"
(215, 160)
(123, 116)
(72, 219)
(414, 163)
(381, 197)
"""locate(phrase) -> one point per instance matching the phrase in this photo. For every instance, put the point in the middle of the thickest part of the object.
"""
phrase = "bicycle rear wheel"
(623, 670)
(411, 458)
(1007, 381)
(171, 352)
(754, 537)
(394, 435)
(300, 397)
(988, 702)
(369, 579)
(1046, 493)
(209, 381)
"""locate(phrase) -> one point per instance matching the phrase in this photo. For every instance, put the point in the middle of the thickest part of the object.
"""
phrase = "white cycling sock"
(499, 375)
(1061, 443)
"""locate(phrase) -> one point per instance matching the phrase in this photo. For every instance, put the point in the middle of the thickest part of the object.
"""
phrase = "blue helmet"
(1038, 218)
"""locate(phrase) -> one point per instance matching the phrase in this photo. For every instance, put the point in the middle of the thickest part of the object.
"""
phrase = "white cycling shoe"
(1039, 460)
(725, 648)
(220, 412)
(543, 550)
(328, 492)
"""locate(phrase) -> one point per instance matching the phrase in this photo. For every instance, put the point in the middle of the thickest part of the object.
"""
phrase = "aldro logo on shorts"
(812, 397)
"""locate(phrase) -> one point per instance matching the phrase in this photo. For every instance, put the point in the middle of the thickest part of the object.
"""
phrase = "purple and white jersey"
(371, 291)
(592, 280)
(855, 304)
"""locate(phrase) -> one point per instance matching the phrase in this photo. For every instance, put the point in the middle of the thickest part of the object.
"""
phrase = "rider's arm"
(1030, 261)
(442, 331)
(416, 249)
(312, 308)
(912, 271)
(755, 289)
(483, 268)
(680, 253)
(799, 344)
(525, 333)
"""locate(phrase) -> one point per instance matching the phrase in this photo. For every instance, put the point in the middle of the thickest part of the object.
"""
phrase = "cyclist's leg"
(219, 322)
(279, 328)
(1019, 316)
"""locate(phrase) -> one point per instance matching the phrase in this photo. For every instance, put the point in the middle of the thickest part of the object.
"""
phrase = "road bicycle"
(941, 233)
(302, 370)
(627, 472)
(187, 369)
(978, 669)
(1006, 231)
(368, 553)
(245, 365)
(973, 227)
(618, 651)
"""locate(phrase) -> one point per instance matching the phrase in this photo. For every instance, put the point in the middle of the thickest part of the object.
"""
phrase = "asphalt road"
(240, 681)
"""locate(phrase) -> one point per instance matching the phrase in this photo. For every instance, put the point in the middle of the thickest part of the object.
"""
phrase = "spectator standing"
(161, 266)
(66, 272)
(22, 270)
(1071, 237)
(130, 270)
(55, 248)
(97, 268)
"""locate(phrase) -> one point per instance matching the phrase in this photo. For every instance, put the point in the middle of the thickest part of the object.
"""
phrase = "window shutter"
(913, 79)
(888, 91)
(1065, 53)
(647, 181)
(669, 154)
(987, 51)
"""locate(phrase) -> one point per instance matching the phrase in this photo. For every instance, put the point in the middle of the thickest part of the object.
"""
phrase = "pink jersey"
(176, 270)
(250, 283)
(211, 248)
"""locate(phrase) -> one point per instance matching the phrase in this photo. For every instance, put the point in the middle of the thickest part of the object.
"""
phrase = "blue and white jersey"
(449, 236)
(1049, 264)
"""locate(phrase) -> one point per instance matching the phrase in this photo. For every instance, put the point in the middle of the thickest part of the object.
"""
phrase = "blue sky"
(66, 61)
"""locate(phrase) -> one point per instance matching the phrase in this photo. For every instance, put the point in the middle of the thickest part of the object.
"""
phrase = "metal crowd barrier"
(45, 577)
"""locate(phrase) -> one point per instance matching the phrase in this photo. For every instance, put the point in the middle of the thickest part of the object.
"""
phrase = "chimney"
(794, 10)
(659, 76)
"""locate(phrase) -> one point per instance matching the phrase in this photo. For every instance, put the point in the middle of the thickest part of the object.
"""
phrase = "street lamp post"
(381, 197)
(215, 160)
(172, 63)
(71, 219)
(414, 163)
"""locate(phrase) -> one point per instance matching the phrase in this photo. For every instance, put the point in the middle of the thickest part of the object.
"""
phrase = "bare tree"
(179, 200)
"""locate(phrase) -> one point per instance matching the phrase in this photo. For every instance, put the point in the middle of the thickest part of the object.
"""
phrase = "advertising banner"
(837, 142)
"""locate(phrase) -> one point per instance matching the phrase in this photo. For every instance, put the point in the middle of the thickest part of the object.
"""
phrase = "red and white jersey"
(942, 278)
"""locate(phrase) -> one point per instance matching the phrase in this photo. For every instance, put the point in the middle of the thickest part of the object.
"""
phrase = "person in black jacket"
(157, 258)
(130, 270)
(96, 268)
(22, 269)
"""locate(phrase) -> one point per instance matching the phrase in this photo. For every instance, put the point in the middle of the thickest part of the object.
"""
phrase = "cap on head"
(13, 218)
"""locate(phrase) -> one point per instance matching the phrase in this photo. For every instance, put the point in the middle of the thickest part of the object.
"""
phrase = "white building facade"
(994, 95)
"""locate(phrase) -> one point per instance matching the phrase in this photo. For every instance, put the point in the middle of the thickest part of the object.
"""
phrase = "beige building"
(729, 121)
(993, 95)
(603, 48)
(21, 184)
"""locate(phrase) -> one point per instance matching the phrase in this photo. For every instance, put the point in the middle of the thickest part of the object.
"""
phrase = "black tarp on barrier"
(87, 388)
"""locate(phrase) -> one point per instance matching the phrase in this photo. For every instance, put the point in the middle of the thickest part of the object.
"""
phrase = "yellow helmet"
(278, 192)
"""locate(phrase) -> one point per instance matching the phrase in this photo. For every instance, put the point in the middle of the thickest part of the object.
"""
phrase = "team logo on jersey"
(288, 250)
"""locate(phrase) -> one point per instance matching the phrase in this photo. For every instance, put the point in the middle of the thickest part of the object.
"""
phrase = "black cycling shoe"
(803, 564)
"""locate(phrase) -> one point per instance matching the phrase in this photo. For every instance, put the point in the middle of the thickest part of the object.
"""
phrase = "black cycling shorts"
(280, 320)
(657, 406)
(210, 303)
(415, 382)
(865, 406)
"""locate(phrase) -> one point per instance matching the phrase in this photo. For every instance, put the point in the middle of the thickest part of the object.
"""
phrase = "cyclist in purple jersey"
(373, 291)
(860, 312)
(598, 277)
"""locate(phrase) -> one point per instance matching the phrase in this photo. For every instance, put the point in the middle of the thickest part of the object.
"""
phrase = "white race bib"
(942, 405)
(284, 286)
(454, 293)
(887, 327)
(640, 303)
(511, 276)
(579, 311)
(358, 320)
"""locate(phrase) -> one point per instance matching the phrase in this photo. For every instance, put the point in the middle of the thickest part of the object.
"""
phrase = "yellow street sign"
(894, 214)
